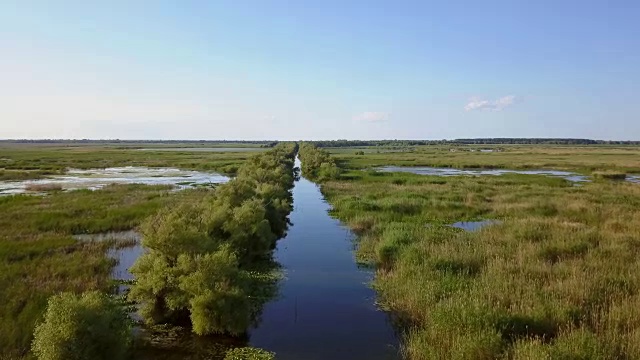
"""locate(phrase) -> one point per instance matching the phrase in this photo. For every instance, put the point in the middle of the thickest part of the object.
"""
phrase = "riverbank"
(514, 289)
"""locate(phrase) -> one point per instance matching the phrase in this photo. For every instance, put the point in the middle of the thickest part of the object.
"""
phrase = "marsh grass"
(43, 187)
(36, 161)
(582, 159)
(556, 278)
(39, 257)
(610, 175)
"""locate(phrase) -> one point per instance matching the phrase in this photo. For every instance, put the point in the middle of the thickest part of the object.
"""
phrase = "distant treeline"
(484, 141)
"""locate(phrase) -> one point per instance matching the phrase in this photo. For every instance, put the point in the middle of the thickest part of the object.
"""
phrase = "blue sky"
(319, 69)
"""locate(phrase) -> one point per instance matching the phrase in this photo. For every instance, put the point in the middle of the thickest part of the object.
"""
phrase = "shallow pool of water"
(98, 178)
(126, 256)
(474, 225)
(325, 310)
(457, 172)
(633, 178)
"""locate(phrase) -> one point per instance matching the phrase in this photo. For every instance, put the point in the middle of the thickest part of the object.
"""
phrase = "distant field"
(583, 159)
(36, 160)
(206, 149)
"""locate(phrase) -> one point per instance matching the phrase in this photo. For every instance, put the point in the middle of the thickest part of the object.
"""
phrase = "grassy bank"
(557, 278)
(584, 159)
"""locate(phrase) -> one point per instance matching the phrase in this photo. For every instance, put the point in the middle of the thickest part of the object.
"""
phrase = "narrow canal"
(325, 309)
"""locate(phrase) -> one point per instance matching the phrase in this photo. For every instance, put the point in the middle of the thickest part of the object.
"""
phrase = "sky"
(291, 70)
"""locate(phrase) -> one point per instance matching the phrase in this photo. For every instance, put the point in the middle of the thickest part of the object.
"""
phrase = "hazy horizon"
(319, 71)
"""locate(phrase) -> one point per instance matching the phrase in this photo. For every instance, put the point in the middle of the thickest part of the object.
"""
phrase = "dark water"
(325, 309)
(126, 256)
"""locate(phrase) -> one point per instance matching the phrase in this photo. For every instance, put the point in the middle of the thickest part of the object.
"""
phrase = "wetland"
(352, 262)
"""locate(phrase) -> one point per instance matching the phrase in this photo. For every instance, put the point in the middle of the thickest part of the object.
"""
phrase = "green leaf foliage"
(317, 164)
(89, 326)
(200, 256)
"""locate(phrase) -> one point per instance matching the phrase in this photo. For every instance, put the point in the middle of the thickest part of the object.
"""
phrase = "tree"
(89, 326)
(200, 263)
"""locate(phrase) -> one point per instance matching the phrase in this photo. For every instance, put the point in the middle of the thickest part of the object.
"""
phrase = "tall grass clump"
(200, 255)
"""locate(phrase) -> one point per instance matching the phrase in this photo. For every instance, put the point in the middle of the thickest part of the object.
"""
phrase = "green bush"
(317, 164)
(89, 326)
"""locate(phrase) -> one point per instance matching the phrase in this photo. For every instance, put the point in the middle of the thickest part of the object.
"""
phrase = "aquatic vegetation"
(249, 353)
(200, 254)
(87, 326)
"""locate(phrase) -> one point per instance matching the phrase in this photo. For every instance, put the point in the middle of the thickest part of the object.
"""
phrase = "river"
(325, 310)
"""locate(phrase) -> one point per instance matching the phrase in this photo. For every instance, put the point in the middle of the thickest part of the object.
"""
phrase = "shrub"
(89, 326)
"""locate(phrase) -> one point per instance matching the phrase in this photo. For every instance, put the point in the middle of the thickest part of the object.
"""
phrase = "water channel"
(325, 309)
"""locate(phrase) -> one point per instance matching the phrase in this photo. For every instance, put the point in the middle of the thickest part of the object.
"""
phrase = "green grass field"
(556, 278)
(19, 161)
(583, 159)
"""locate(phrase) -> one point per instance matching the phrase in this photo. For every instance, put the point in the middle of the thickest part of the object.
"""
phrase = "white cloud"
(372, 116)
(476, 103)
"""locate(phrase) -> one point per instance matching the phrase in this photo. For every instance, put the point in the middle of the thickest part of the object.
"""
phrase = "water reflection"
(325, 309)
(474, 225)
(94, 179)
